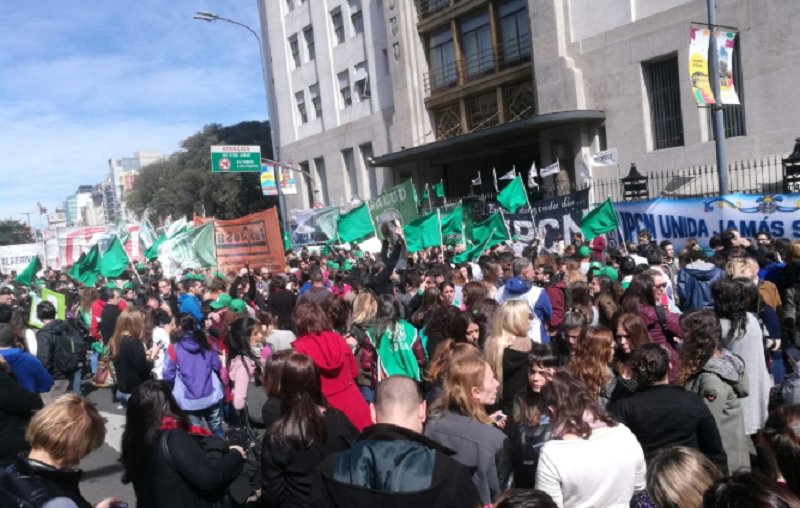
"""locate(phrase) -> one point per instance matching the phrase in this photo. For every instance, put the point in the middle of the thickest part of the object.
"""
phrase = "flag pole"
(441, 236)
(427, 188)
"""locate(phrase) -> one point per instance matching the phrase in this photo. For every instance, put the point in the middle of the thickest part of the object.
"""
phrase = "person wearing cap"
(520, 287)
(585, 253)
(189, 300)
(239, 306)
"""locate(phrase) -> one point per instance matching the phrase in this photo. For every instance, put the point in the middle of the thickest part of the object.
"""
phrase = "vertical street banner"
(15, 258)
(254, 239)
(725, 48)
(698, 66)
(398, 202)
(269, 171)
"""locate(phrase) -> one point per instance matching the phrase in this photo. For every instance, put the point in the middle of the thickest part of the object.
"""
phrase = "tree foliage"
(13, 232)
(183, 184)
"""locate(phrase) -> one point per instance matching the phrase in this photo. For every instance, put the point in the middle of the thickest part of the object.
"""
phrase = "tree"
(13, 232)
(183, 184)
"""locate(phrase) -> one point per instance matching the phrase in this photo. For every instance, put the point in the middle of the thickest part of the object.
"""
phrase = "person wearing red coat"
(336, 362)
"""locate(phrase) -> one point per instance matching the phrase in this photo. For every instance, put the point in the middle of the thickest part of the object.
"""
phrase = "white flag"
(605, 158)
(510, 175)
(494, 180)
(550, 170)
(585, 173)
(477, 181)
(532, 176)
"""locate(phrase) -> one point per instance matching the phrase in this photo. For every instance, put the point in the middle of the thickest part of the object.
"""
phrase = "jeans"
(93, 363)
(212, 416)
(368, 393)
(76, 381)
(123, 397)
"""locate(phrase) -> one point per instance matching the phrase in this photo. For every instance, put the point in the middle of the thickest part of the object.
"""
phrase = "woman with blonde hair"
(132, 361)
(507, 350)
(591, 364)
(365, 309)
(60, 435)
(677, 476)
(458, 420)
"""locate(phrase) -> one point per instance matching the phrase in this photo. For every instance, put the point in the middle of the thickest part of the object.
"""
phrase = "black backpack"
(69, 351)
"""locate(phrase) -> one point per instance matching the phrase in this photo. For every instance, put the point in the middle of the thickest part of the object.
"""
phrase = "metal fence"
(756, 176)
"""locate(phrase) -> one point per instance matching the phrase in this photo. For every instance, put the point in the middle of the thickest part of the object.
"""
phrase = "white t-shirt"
(604, 470)
(30, 341)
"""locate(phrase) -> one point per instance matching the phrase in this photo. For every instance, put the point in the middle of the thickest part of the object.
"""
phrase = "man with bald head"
(392, 463)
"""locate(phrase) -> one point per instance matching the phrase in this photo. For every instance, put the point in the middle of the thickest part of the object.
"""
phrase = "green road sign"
(235, 159)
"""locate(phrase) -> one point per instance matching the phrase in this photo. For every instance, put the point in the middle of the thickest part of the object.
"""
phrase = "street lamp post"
(209, 17)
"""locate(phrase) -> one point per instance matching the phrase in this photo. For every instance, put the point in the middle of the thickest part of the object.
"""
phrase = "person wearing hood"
(193, 366)
(718, 376)
(334, 358)
(189, 301)
(392, 464)
(520, 287)
(695, 281)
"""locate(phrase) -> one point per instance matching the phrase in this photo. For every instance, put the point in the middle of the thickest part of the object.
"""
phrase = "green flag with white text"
(453, 226)
(423, 233)
(398, 202)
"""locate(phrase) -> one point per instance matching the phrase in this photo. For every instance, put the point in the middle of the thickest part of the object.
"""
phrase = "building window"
(322, 180)
(356, 16)
(289, 5)
(308, 36)
(302, 115)
(351, 173)
(442, 57)
(448, 121)
(344, 89)
(338, 25)
(514, 30)
(316, 102)
(366, 159)
(665, 103)
(294, 48)
(476, 42)
(430, 6)
(309, 186)
(361, 81)
(521, 101)
(483, 111)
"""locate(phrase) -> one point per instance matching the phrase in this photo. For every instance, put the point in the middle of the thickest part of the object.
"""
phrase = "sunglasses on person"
(663, 285)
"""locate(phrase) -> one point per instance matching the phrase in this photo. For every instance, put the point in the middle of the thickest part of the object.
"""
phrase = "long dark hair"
(239, 343)
(569, 403)
(529, 402)
(732, 300)
(386, 318)
(302, 424)
(188, 327)
(701, 337)
(150, 402)
(640, 292)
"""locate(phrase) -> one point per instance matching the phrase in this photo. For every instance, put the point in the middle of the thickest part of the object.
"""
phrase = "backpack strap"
(164, 446)
(661, 314)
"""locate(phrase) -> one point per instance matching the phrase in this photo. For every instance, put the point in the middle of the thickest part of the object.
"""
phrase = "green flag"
(423, 233)
(87, 268)
(453, 226)
(27, 275)
(355, 225)
(438, 190)
(474, 252)
(147, 234)
(600, 220)
(399, 201)
(494, 229)
(189, 250)
(513, 196)
(151, 252)
(114, 260)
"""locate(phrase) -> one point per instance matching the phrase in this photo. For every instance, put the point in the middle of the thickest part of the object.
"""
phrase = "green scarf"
(395, 356)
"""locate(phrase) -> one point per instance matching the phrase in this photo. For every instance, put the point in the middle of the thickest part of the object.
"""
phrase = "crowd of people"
(582, 376)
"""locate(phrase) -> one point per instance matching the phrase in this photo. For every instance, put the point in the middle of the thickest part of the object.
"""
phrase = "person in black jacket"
(165, 457)
(60, 436)
(281, 302)
(132, 362)
(17, 406)
(663, 415)
(50, 352)
(393, 463)
(306, 432)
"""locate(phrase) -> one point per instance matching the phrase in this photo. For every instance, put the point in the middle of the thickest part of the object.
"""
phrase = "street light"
(209, 17)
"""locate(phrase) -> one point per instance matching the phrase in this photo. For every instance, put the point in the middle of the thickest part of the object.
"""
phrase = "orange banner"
(253, 239)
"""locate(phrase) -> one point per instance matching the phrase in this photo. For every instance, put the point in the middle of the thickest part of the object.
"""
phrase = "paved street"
(102, 472)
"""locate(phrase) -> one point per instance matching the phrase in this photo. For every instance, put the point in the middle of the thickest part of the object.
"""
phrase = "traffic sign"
(235, 159)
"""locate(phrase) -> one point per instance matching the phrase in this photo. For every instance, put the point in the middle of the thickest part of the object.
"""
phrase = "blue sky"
(84, 81)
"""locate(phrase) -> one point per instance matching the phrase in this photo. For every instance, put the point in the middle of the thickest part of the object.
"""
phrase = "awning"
(496, 138)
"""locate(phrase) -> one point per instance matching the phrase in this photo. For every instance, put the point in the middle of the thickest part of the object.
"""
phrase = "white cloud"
(85, 81)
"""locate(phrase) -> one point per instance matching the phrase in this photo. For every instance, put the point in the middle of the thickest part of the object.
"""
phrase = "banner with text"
(398, 202)
(16, 257)
(74, 241)
(677, 220)
(254, 239)
(698, 65)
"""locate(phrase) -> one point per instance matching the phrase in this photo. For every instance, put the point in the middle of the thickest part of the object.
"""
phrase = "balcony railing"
(473, 66)
(427, 7)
